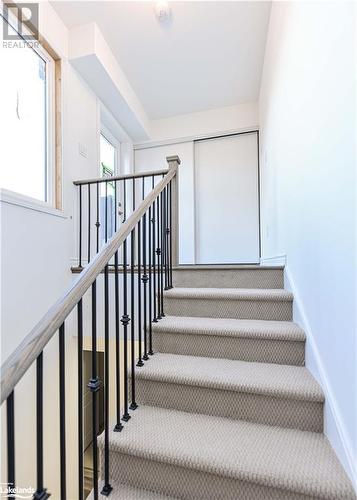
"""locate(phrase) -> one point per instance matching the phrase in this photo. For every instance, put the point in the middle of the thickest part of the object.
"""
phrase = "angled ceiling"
(208, 55)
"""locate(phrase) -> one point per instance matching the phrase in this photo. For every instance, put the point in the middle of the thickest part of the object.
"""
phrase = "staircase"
(227, 409)
(215, 404)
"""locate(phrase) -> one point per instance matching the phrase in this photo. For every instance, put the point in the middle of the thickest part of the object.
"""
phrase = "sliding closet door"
(227, 200)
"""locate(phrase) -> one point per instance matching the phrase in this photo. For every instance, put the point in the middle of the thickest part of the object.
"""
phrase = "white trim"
(111, 124)
(21, 200)
(180, 140)
(333, 424)
(276, 260)
(50, 127)
(109, 136)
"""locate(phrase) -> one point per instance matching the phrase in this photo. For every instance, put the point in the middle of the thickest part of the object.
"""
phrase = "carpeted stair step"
(281, 395)
(281, 342)
(228, 276)
(241, 303)
(200, 457)
(122, 491)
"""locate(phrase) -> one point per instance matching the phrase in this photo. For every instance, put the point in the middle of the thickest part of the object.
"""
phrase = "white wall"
(308, 127)
(155, 159)
(170, 136)
(211, 121)
(227, 200)
(37, 250)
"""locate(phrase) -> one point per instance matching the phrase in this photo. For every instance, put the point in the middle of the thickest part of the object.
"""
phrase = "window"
(107, 161)
(27, 119)
(108, 168)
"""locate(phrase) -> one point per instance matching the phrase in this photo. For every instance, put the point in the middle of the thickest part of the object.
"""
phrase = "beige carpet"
(237, 452)
(281, 342)
(241, 303)
(227, 410)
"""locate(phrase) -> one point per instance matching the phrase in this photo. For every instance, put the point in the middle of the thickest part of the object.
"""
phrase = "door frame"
(105, 132)
(223, 136)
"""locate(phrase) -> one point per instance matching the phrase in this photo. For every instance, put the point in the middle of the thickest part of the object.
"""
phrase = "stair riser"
(188, 484)
(244, 349)
(262, 409)
(229, 278)
(239, 309)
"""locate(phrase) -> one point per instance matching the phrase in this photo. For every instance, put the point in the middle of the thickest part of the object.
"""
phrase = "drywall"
(308, 127)
(211, 121)
(227, 200)
(155, 159)
(92, 57)
(171, 136)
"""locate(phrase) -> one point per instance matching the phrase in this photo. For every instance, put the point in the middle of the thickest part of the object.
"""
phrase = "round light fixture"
(162, 11)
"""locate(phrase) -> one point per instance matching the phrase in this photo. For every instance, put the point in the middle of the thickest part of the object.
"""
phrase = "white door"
(154, 158)
(227, 200)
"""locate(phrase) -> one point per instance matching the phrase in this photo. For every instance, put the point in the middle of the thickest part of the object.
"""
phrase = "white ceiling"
(210, 54)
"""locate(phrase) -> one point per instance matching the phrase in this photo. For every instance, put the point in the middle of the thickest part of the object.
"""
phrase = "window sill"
(20, 200)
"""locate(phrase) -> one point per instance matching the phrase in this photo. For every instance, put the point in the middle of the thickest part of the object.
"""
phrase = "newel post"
(173, 163)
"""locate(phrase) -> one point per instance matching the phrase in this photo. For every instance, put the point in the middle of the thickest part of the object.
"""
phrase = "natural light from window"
(23, 152)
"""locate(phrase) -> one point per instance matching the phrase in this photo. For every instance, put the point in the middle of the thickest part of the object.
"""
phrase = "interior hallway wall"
(308, 166)
(37, 251)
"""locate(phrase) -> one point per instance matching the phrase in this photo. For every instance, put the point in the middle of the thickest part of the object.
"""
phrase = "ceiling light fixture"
(162, 11)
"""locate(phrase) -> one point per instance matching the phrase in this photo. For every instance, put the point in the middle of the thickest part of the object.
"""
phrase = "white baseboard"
(334, 427)
(276, 260)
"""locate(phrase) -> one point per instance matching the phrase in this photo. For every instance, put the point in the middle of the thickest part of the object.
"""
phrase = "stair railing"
(101, 205)
(150, 230)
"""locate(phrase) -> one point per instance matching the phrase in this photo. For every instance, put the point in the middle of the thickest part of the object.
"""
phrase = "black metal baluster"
(97, 224)
(107, 488)
(80, 227)
(165, 233)
(118, 426)
(10, 425)
(106, 212)
(40, 493)
(150, 284)
(133, 404)
(125, 321)
(162, 253)
(80, 398)
(62, 403)
(140, 361)
(170, 222)
(167, 238)
(125, 318)
(94, 386)
(158, 253)
(115, 207)
(124, 200)
(153, 221)
(89, 223)
(145, 281)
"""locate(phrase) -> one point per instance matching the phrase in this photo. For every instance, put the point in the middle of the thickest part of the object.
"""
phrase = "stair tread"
(294, 460)
(266, 294)
(282, 381)
(264, 329)
(222, 267)
(124, 492)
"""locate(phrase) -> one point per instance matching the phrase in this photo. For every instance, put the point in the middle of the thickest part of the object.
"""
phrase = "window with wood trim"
(29, 119)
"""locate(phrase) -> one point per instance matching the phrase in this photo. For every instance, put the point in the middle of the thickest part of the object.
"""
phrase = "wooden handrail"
(33, 344)
(138, 175)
